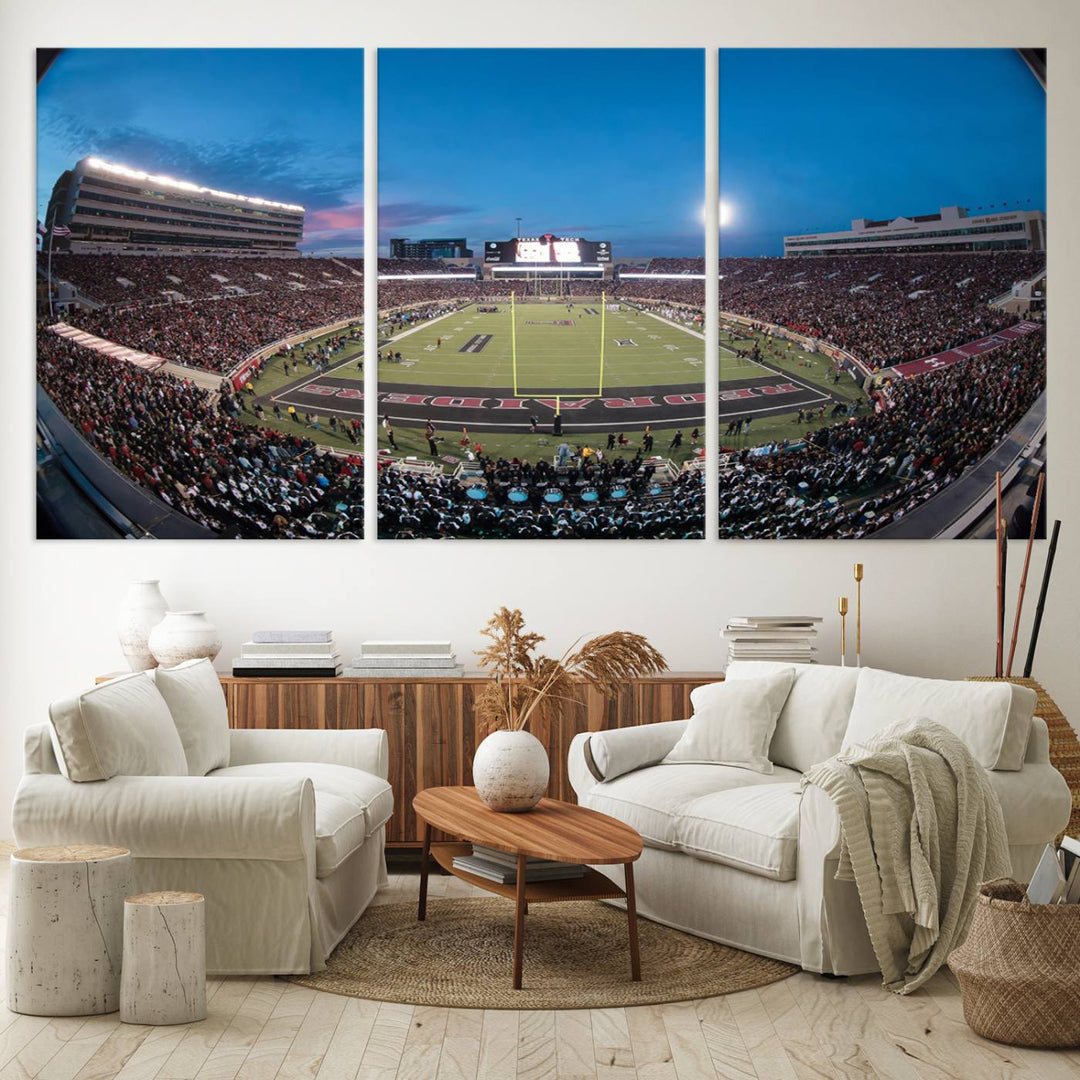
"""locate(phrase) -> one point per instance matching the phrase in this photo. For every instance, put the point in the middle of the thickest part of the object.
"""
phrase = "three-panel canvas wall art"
(548, 365)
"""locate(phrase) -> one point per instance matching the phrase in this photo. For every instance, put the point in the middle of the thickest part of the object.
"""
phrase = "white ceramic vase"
(184, 635)
(510, 771)
(142, 608)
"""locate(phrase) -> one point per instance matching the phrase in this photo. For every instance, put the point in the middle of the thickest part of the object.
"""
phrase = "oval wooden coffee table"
(553, 830)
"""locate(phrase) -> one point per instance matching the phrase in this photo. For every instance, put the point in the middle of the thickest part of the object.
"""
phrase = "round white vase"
(184, 635)
(510, 771)
(142, 608)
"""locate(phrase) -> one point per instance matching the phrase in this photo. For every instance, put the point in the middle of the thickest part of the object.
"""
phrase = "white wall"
(928, 605)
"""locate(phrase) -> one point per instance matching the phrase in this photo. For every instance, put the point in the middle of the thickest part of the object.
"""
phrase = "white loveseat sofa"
(745, 858)
(282, 831)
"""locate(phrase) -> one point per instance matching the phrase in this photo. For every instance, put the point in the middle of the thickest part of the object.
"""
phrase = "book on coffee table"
(508, 875)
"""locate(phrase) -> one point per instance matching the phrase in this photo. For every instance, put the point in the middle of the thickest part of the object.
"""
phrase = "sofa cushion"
(193, 693)
(340, 828)
(751, 828)
(992, 719)
(654, 800)
(119, 728)
(811, 725)
(366, 792)
(733, 722)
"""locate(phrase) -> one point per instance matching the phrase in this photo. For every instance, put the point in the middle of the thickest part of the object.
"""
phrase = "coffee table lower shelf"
(591, 886)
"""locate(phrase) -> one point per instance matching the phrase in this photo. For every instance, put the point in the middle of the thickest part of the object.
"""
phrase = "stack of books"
(405, 660)
(296, 653)
(1057, 877)
(786, 639)
(501, 866)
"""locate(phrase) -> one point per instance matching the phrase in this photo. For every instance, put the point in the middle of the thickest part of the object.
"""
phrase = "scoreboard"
(547, 250)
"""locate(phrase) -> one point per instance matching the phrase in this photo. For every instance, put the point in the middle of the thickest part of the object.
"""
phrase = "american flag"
(61, 230)
(42, 231)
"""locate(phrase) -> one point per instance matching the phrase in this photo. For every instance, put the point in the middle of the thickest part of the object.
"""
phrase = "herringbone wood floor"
(805, 1028)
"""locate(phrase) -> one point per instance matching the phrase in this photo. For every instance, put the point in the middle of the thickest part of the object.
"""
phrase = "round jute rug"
(576, 957)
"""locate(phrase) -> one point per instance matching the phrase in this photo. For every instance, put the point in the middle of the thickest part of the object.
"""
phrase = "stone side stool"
(65, 929)
(164, 980)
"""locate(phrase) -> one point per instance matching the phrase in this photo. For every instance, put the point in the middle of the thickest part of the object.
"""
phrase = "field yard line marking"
(777, 410)
(748, 360)
(307, 382)
(681, 421)
(684, 329)
(423, 325)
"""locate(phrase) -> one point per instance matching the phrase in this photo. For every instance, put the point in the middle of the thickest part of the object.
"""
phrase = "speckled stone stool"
(164, 979)
(65, 929)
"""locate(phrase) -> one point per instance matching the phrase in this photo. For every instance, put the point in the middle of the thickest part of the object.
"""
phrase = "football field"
(547, 349)
(526, 376)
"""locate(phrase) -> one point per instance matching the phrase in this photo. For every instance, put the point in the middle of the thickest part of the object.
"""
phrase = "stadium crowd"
(217, 334)
(169, 436)
(885, 309)
(126, 279)
(852, 478)
(413, 505)
(675, 266)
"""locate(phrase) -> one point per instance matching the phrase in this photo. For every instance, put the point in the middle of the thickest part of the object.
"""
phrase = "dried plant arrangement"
(526, 684)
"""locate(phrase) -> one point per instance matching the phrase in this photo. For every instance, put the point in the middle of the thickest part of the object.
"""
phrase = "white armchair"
(286, 841)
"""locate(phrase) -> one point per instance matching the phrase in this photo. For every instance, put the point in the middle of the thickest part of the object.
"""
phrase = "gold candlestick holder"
(858, 613)
(842, 608)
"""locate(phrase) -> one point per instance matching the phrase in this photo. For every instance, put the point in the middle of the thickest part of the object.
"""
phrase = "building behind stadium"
(109, 208)
(951, 229)
(441, 248)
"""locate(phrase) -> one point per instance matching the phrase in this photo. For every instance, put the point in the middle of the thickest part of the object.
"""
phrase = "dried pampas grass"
(525, 685)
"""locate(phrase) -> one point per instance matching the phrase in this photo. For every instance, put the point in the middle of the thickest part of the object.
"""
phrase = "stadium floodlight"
(542, 268)
(184, 185)
(466, 275)
(625, 274)
(725, 213)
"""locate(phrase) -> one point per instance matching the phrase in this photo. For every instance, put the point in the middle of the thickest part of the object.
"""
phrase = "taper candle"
(841, 607)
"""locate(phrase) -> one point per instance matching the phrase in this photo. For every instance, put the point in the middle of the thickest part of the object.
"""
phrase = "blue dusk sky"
(607, 144)
(812, 138)
(281, 124)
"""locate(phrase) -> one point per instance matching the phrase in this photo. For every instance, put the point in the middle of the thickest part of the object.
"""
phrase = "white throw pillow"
(120, 728)
(733, 722)
(617, 751)
(193, 693)
(815, 716)
(993, 720)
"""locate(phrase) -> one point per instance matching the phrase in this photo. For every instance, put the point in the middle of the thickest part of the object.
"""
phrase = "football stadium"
(547, 392)
(172, 303)
(541, 339)
(876, 381)
(902, 373)
(158, 353)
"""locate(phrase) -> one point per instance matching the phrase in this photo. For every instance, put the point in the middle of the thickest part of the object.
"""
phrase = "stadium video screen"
(552, 250)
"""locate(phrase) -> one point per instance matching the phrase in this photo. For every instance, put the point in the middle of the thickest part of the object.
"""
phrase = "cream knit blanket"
(920, 830)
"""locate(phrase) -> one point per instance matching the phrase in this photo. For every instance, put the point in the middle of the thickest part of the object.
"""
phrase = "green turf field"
(791, 358)
(529, 352)
(551, 359)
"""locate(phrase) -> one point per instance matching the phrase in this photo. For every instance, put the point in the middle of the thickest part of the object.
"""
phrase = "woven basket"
(1019, 969)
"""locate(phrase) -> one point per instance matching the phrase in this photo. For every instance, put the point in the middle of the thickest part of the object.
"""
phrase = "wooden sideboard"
(431, 726)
